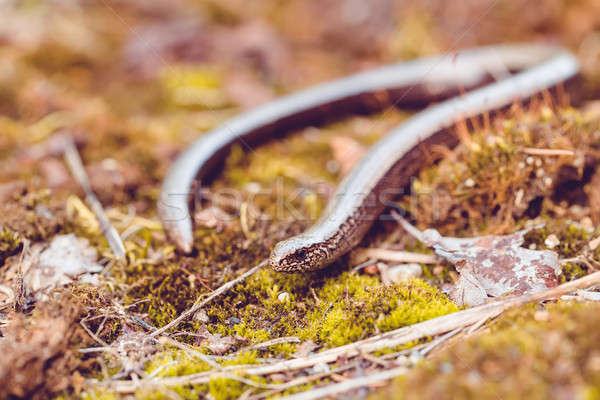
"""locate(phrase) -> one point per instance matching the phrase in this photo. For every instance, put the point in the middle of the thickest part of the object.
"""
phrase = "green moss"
(98, 394)
(332, 311)
(10, 243)
(194, 86)
(518, 357)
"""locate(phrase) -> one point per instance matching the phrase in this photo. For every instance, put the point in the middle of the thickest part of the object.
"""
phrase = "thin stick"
(548, 152)
(432, 345)
(355, 383)
(198, 304)
(75, 164)
(272, 342)
(400, 256)
(189, 350)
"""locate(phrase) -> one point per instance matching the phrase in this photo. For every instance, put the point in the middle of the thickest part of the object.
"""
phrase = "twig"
(165, 340)
(198, 304)
(76, 166)
(364, 264)
(547, 152)
(432, 345)
(272, 342)
(92, 334)
(338, 388)
(399, 256)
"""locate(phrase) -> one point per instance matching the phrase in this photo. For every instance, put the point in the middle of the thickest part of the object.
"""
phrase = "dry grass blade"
(76, 166)
(342, 387)
(399, 256)
(548, 152)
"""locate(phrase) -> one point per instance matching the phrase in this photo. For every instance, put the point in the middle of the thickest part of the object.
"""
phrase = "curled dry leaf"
(491, 266)
(46, 267)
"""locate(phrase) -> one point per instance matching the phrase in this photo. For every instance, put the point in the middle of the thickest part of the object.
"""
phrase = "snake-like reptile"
(462, 85)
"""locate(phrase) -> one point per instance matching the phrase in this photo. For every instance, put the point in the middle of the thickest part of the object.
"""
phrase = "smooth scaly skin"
(390, 163)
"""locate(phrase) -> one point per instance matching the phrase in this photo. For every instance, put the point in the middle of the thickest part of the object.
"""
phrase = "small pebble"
(541, 315)
(403, 361)
(551, 241)
(332, 166)
(521, 165)
(371, 269)
(469, 183)
(538, 162)
(587, 223)
(594, 243)
(404, 272)
(540, 172)
(110, 164)
(283, 297)
(519, 197)
(547, 181)
(529, 160)
(415, 357)
(321, 367)
(252, 187)
(446, 368)
(547, 113)
(201, 316)
(279, 377)
(532, 246)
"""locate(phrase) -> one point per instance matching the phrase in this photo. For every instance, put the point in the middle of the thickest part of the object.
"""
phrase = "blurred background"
(163, 70)
(134, 81)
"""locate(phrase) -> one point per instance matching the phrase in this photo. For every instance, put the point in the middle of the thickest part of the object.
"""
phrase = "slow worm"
(462, 84)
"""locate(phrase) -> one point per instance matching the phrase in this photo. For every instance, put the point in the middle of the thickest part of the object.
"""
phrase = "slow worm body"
(463, 84)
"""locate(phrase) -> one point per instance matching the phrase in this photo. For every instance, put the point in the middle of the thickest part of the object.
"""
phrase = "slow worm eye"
(300, 254)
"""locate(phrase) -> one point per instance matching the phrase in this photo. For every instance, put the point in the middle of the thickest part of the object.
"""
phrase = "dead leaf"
(491, 266)
(65, 259)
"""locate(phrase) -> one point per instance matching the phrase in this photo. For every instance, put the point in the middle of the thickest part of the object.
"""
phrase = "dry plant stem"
(439, 341)
(432, 327)
(547, 152)
(272, 342)
(76, 166)
(400, 256)
(19, 299)
(342, 387)
(189, 350)
(198, 304)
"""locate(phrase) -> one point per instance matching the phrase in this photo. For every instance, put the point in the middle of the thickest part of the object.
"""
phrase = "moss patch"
(517, 357)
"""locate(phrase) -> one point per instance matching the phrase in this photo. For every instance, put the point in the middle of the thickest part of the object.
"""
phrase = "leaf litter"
(492, 265)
